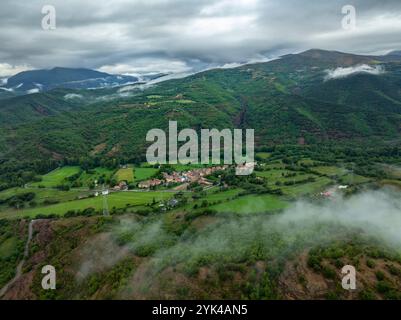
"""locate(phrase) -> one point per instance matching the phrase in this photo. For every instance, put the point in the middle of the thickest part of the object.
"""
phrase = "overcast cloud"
(144, 36)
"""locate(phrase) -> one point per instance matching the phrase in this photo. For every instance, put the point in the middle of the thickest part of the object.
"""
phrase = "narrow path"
(18, 270)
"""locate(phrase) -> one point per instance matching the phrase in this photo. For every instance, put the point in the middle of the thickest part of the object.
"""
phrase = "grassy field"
(125, 174)
(223, 195)
(8, 247)
(141, 174)
(307, 188)
(213, 197)
(57, 177)
(44, 194)
(275, 175)
(278, 175)
(263, 155)
(115, 200)
(330, 170)
(353, 179)
(306, 161)
(49, 200)
(251, 204)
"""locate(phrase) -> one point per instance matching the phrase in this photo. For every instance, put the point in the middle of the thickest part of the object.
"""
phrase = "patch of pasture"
(116, 200)
(125, 174)
(57, 177)
(252, 204)
(330, 170)
(307, 188)
(141, 174)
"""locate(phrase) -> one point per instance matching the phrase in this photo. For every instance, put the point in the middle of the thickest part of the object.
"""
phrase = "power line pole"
(105, 204)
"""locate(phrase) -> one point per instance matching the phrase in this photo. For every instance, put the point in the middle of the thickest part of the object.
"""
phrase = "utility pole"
(105, 204)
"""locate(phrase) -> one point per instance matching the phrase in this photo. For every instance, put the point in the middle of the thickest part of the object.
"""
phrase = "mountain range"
(312, 97)
(44, 80)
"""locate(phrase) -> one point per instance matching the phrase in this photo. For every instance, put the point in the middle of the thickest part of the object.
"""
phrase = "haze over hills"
(43, 80)
(315, 96)
(309, 92)
(394, 53)
(327, 126)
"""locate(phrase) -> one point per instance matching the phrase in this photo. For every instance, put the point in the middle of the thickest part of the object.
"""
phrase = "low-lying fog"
(374, 214)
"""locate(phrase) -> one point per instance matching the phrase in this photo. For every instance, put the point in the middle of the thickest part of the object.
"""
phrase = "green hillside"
(285, 101)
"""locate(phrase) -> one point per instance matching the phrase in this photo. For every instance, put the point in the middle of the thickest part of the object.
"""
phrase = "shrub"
(380, 275)
(367, 294)
(393, 270)
(314, 262)
(383, 287)
(328, 272)
(370, 263)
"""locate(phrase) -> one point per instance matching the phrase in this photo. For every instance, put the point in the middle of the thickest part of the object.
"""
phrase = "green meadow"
(57, 177)
(252, 204)
(141, 174)
(125, 174)
(115, 200)
(8, 247)
(213, 197)
(43, 194)
(330, 170)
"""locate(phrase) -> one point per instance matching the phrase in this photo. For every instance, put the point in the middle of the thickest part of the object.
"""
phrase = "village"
(185, 177)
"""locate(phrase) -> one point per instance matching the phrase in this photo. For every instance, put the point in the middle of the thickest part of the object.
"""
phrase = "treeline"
(16, 172)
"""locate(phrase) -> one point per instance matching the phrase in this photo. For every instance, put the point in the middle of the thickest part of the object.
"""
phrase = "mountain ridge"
(283, 100)
(59, 77)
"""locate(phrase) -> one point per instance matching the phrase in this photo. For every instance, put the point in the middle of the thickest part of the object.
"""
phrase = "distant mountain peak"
(394, 53)
(336, 57)
(317, 52)
(60, 77)
(320, 53)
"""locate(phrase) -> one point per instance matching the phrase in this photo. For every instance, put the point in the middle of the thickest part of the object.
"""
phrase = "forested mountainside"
(313, 97)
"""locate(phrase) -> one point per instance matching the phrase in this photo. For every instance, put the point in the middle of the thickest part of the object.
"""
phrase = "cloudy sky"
(143, 36)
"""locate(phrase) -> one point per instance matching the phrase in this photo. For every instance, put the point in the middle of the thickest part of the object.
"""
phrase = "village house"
(195, 175)
(175, 177)
(121, 186)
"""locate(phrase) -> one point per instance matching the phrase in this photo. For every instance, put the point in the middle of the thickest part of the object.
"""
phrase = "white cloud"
(7, 70)
(71, 96)
(32, 91)
(140, 36)
(229, 5)
(340, 73)
(375, 212)
(146, 66)
(258, 59)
